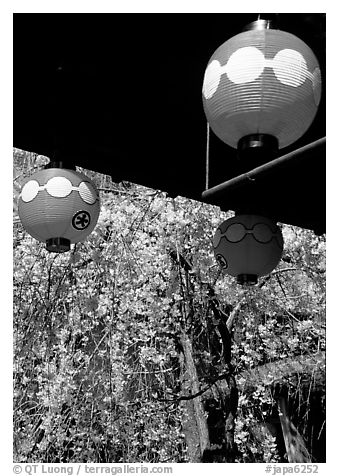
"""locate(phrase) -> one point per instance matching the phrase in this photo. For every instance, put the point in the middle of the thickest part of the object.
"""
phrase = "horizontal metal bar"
(253, 174)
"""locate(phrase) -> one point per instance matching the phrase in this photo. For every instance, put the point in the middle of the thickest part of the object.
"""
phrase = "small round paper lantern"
(248, 246)
(263, 82)
(59, 206)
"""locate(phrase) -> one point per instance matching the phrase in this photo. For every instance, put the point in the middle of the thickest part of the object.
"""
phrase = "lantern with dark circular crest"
(59, 207)
(248, 246)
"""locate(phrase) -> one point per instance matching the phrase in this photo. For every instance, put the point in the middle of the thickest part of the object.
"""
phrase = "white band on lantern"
(289, 67)
(59, 187)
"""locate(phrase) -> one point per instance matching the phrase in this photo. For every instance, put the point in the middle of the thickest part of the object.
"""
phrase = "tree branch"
(233, 314)
(222, 376)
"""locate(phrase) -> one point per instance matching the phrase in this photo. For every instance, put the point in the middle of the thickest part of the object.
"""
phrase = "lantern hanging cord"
(207, 157)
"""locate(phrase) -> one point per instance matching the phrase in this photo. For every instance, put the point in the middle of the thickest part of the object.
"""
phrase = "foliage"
(97, 356)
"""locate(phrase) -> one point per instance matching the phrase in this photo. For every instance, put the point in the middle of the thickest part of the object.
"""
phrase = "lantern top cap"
(260, 25)
(59, 164)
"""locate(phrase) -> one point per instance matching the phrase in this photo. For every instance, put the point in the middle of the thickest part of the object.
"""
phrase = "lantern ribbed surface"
(262, 82)
(59, 203)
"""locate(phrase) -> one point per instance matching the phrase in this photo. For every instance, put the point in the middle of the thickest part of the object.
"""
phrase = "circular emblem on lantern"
(81, 220)
(221, 261)
(248, 246)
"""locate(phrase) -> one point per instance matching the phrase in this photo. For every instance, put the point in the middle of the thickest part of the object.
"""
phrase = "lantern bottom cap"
(249, 279)
(258, 147)
(58, 245)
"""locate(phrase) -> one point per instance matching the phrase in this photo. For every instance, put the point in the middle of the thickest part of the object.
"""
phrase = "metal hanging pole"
(207, 174)
(252, 175)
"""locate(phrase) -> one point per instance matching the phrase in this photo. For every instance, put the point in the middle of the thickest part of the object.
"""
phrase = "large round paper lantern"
(248, 246)
(59, 207)
(264, 82)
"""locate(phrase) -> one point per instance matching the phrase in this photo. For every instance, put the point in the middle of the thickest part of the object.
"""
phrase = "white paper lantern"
(262, 82)
(59, 207)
